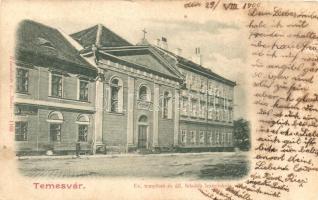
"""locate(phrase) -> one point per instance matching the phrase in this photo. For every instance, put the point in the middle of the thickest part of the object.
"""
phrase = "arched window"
(82, 119)
(116, 97)
(144, 93)
(55, 119)
(167, 105)
(143, 119)
(83, 122)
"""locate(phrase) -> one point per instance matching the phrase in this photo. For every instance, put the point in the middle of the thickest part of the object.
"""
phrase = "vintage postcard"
(159, 100)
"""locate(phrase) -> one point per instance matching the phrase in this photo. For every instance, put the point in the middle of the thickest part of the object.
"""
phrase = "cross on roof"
(145, 32)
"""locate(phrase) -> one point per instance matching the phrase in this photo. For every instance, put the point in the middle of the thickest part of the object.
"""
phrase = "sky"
(219, 37)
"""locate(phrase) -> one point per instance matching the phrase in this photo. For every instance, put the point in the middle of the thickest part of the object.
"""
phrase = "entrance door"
(142, 136)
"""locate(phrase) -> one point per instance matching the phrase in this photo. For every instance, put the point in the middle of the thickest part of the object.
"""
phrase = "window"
(192, 137)
(183, 136)
(202, 109)
(209, 137)
(55, 119)
(21, 131)
(55, 132)
(83, 90)
(116, 96)
(230, 139)
(201, 137)
(221, 139)
(22, 80)
(167, 106)
(143, 119)
(213, 137)
(193, 107)
(82, 133)
(56, 85)
(144, 93)
(217, 137)
(184, 106)
(44, 42)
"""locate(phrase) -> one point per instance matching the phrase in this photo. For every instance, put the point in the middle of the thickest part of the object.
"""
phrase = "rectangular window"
(55, 132)
(83, 90)
(217, 137)
(82, 133)
(21, 131)
(221, 137)
(213, 137)
(22, 80)
(230, 137)
(193, 107)
(201, 137)
(202, 109)
(184, 106)
(209, 137)
(183, 136)
(56, 85)
(192, 137)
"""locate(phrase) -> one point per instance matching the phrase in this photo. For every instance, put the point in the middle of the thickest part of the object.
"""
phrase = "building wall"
(213, 107)
(38, 133)
(38, 136)
(39, 88)
(166, 126)
(114, 124)
(224, 138)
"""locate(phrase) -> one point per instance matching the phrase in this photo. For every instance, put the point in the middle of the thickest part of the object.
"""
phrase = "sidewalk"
(119, 155)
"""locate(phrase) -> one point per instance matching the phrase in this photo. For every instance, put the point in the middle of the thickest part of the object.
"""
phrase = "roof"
(44, 42)
(190, 64)
(142, 56)
(100, 36)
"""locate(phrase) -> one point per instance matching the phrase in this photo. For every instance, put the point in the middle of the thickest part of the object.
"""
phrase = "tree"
(242, 137)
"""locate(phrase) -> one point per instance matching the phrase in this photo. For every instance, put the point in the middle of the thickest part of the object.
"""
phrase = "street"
(191, 166)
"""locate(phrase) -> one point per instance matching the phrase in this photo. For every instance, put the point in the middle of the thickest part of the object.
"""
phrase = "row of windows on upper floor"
(114, 101)
(55, 120)
(213, 110)
(202, 84)
(55, 85)
(212, 137)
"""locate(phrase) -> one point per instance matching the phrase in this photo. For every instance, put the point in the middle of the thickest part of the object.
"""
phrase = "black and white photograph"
(158, 100)
(138, 97)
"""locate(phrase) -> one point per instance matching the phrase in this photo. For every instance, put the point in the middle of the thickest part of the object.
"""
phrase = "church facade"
(95, 88)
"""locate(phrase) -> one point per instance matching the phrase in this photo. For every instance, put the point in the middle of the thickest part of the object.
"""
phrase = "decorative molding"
(54, 104)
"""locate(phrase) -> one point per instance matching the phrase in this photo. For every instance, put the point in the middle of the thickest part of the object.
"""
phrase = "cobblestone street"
(216, 165)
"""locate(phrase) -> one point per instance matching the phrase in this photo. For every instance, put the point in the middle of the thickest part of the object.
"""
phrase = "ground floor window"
(183, 136)
(21, 131)
(217, 137)
(82, 133)
(55, 132)
(209, 137)
(192, 137)
(201, 137)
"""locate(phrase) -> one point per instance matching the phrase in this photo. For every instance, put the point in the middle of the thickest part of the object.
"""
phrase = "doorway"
(142, 136)
(142, 132)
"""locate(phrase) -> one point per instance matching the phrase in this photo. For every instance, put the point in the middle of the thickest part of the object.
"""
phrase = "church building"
(95, 88)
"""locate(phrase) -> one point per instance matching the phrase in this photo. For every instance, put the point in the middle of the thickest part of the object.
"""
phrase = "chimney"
(164, 43)
(99, 34)
(197, 56)
(178, 51)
